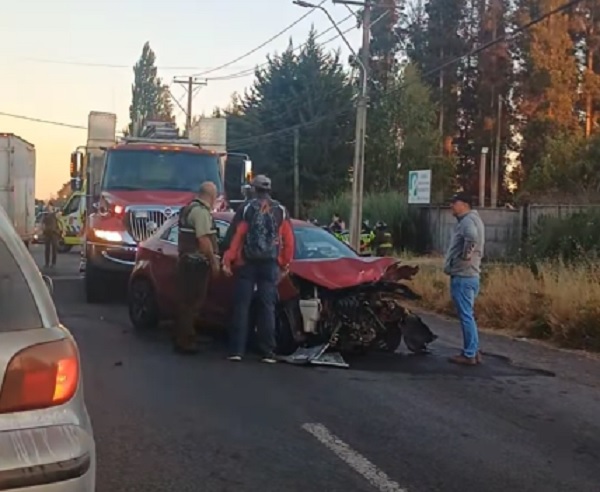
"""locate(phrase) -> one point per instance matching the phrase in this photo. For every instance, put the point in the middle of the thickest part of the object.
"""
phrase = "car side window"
(72, 205)
(18, 309)
(171, 235)
(222, 228)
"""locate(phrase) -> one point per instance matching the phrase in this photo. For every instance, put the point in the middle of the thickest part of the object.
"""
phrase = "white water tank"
(210, 134)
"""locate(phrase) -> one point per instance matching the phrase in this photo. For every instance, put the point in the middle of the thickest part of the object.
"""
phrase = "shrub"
(560, 304)
(390, 207)
(569, 239)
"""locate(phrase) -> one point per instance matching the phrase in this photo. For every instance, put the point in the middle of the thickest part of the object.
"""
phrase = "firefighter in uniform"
(383, 240)
(197, 259)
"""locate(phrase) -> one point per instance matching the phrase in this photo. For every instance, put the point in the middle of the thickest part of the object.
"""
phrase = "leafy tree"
(149, 97)
(548, 82)
(310, 90)
(413, 140)
(586, 35)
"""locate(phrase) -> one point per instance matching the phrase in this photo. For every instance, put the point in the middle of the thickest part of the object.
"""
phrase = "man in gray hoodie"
(463, 265)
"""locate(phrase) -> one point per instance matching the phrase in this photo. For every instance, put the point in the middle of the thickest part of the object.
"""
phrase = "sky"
(46, 44)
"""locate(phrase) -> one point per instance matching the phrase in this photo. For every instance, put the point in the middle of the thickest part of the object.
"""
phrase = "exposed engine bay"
(319, 324)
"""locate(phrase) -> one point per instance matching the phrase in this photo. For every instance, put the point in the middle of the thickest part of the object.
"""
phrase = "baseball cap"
(461, 197)
(261, 182)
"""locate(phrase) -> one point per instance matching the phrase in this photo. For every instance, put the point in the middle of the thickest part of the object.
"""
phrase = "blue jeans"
(464, 290)
(264, 277)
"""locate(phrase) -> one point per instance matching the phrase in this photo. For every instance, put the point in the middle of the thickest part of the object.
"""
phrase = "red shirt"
(234, 255)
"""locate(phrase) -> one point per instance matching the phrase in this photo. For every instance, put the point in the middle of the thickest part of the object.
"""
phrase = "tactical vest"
(188, 242)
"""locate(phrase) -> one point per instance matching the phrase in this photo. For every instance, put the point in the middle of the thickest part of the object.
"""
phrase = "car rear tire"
(143, 307)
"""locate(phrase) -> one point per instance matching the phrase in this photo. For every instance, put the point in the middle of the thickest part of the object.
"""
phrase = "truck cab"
(135, 186)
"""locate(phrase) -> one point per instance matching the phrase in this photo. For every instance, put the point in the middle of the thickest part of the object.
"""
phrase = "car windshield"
(314, 243)
(159, 170)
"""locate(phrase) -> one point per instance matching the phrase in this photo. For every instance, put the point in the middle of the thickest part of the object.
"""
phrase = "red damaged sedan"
(333, 300)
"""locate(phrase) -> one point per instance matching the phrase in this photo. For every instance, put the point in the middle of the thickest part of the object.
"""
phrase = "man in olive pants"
(197, 259)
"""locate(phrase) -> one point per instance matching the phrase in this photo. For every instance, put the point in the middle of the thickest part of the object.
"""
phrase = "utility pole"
(296, 173)
(189, 82)
(482, 172)
(358, 170)
(496, 162)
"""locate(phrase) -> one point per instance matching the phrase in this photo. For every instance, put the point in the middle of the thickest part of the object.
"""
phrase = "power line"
(505, 37)
(39, 120)
(433, 71)
(109, 65)
(246, 73)
(262, 45)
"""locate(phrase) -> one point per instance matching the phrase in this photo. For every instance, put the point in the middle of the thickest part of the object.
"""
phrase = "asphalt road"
(527, 420)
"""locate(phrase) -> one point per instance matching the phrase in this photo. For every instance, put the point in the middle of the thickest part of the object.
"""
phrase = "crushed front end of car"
(349, 306)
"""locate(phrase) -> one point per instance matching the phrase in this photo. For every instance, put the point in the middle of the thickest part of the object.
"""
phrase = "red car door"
(164, 268)
(219, 299)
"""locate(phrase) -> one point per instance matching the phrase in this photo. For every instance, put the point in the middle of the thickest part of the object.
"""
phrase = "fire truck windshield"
(159, 170)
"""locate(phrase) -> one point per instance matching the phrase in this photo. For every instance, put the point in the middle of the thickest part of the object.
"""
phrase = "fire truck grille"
(144, 223)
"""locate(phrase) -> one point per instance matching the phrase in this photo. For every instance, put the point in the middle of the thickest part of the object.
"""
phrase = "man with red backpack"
(261, 250)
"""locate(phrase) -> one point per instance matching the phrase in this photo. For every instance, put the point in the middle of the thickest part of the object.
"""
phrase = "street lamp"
(361, 118)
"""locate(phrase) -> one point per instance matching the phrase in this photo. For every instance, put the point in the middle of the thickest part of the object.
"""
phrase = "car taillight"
(40, 376)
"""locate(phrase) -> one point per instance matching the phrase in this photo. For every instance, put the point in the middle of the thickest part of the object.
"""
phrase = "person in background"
(337, 224)
(261, 251)
(463, 265)
(197, 247)
(51, 231)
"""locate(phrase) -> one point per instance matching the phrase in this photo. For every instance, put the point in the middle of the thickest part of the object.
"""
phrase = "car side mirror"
(49, 283)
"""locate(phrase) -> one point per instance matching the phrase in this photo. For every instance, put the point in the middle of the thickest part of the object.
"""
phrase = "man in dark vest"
(197, 260)
(51, 228)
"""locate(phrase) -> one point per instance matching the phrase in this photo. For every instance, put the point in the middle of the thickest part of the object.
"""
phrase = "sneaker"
(234, 358)
(269, 359)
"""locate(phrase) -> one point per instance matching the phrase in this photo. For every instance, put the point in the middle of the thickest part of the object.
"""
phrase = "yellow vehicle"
(71, 222)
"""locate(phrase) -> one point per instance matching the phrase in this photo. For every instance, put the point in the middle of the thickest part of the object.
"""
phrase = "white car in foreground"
(46, 438)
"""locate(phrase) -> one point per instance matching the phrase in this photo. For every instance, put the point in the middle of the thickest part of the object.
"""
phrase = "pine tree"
(149, 97)
(434, 32)
(309, 89)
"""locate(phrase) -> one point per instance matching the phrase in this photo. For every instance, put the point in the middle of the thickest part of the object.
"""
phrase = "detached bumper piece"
(317, 356)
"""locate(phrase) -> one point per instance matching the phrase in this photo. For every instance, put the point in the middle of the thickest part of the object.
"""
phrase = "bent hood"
(349, 272)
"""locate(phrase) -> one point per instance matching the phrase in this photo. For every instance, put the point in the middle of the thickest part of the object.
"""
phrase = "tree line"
(539, 91)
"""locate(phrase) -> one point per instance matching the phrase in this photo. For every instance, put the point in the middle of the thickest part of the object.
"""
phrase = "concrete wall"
(502, 230)
(505, 229)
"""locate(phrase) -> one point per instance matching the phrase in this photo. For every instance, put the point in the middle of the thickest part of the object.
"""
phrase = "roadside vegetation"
(551, 292)
(559, 302)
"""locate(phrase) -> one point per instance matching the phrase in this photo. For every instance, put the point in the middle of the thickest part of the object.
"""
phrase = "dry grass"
(560, 304)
